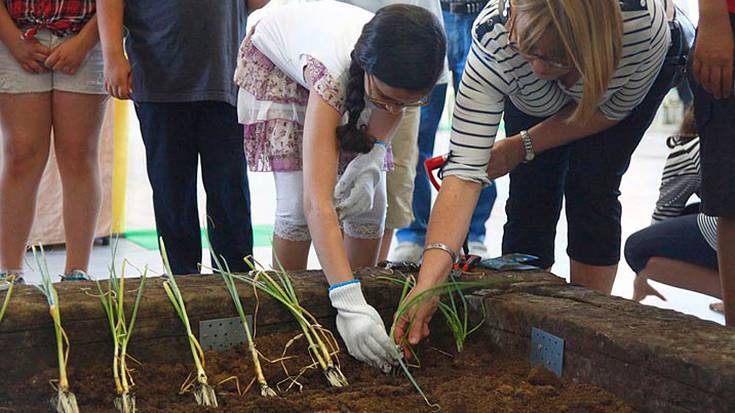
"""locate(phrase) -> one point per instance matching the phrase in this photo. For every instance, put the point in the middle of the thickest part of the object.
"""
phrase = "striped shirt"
(494, 71)
(680, 180)
(60, 17)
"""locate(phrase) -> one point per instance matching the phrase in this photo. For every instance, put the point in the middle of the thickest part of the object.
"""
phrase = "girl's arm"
(28, 53)
(320, 159)
(68, 56)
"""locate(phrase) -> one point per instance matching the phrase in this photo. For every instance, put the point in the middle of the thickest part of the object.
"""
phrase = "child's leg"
(77, 120)
(291, 239)
(25, 121)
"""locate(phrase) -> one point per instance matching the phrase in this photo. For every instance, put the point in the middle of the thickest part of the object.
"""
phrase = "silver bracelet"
(443, 247)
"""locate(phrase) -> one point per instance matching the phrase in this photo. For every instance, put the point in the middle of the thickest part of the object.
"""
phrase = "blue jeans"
(177, 136)
(459, 40)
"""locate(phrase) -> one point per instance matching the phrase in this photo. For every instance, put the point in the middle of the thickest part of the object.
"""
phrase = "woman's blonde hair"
(585, 34)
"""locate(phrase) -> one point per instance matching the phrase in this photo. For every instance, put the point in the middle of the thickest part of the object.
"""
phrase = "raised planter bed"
(651, 359)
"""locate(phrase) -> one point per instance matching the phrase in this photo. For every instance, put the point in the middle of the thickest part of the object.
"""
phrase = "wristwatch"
(527, 146)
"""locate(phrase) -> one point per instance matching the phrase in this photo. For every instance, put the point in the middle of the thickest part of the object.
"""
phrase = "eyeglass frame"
(532, 56)
(386, 103)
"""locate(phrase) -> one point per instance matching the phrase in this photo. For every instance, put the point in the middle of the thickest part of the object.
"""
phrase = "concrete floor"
(639, 193)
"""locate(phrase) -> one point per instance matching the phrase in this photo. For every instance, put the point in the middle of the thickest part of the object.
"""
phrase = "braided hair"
(402, 45)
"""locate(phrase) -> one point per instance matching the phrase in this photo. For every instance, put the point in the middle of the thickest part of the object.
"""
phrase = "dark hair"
(404, 46)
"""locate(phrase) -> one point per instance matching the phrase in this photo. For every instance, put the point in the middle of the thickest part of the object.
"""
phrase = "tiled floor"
(639, 188)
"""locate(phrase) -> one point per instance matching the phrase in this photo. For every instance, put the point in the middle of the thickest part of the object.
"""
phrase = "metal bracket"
(222, 333)
(547, 350)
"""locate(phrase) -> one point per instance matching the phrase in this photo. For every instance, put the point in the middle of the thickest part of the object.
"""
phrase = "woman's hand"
(413, 326)
(118, 77)
(69, 55)
(505, 156)
(30, 54)
(713, 54)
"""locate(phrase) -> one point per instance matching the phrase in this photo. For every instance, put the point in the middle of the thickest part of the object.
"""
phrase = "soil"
(475, 380)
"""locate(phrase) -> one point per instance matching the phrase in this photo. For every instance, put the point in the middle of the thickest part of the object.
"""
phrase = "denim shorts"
(88, 79)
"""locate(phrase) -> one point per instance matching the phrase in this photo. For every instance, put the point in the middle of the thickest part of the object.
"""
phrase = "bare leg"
(683, 275)
(25, 121)
(292, 255)
(77, 120)
(385, 245)
(726, 257)
(600, 278)
(362, 252)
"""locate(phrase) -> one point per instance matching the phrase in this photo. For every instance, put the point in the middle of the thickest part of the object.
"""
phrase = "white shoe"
(478, 248)
(407, 251)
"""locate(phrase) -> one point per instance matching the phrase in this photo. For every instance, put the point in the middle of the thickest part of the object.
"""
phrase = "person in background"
(323, 86)
(711, 79)
(680, 247)
(578, 83)
(182, 58)
(458, 16)
(50, 80)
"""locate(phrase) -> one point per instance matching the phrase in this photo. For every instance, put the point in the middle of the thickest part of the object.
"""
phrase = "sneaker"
(76, 275)
(407, 251)
(478, 248)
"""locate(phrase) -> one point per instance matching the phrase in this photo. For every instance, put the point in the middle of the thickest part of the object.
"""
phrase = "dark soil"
(476, 380)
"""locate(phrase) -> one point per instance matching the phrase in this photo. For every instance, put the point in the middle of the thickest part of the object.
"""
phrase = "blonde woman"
(578, 82)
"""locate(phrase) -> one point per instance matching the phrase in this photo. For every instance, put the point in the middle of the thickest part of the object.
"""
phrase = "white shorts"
(88, 79)
(291, 222)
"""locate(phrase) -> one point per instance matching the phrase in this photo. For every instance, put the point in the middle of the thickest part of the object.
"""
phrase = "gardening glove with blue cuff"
(355, 190)
(361, 327)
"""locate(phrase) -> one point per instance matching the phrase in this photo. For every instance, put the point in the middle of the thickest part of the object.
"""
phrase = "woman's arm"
(450, 219)
(320, 158)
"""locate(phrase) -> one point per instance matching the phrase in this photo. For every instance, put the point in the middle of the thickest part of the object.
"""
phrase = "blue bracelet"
(381, 143)
(342, 284)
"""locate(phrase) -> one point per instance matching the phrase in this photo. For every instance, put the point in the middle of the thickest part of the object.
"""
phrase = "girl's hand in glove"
(361, 327)
(355, 190)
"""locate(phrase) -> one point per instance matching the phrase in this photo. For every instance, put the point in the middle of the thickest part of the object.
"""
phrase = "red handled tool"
(467, 262)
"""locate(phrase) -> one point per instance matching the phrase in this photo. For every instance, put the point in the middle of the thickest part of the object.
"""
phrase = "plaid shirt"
(60, 17)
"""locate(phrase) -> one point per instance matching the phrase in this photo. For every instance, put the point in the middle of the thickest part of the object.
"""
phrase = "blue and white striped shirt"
(494, 71)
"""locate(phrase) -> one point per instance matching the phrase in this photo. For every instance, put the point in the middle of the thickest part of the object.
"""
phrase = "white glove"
(355, 190)
(361, 328)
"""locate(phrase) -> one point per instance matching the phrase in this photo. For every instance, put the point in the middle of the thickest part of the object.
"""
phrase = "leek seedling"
(438, 290)
(203, 392)
(322, 345)
(11, 286)
(122, 330)
(65, 401)
(224, 270)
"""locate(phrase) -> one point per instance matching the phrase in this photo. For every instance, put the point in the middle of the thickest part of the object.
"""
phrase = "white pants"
(291, 222)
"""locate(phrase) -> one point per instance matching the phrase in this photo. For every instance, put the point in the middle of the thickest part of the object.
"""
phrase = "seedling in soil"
(224, 270)
(11, 281)
(323, 347)
(455, 312)
(64, 401)
(203, 392)
(436, 291)
(122, 330)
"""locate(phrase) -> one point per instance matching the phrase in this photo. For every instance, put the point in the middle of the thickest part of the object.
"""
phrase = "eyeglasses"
(387, 103)
(543, 59)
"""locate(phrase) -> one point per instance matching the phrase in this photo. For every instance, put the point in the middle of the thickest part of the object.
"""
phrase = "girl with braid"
(322, 87)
